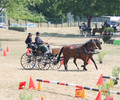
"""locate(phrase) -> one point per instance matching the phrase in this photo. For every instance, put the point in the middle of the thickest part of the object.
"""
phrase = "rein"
(85, 50)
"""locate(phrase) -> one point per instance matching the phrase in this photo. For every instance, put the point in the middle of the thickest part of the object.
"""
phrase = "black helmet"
(37, 33)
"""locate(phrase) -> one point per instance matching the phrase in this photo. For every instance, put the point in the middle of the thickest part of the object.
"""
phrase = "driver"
(40, 45)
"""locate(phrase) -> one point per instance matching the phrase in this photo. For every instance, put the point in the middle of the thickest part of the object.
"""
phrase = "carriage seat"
(33, 46)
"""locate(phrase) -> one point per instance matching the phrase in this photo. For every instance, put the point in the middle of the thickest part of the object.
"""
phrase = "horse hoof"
(85, 69)
(82, 65)
(66, 69)
(78, 69)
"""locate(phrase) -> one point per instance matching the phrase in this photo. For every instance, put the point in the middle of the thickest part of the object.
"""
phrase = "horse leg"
(85, 63)
(94, 62)
(65, 63)
(93, 32)
(75, 63)
(84, 66)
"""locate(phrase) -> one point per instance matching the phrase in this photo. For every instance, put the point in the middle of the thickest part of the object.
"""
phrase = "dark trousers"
(42, 48)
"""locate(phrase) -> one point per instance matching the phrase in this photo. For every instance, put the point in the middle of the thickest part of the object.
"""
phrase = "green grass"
(26, 95)
(113, 51)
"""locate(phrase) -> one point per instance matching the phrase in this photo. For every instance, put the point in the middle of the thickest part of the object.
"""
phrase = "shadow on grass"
(10, 40)
(63, 94)
(36, 68)
(67, 35)
(58, 35)
(72, 71)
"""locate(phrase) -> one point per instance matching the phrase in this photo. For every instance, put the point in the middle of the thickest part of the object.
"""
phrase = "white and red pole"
(73, 85)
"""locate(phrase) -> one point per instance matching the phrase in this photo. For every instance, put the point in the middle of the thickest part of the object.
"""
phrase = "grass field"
(12, 73)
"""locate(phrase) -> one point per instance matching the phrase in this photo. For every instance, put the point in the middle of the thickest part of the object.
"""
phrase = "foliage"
(35, 10)
(22, 12)
(26, 96)
(17, 28)
(48, 9)
(12, 5)
(107, 34)
(115, 72)
(104, 87)
(101, 56)
(88, 8)
(18, 9)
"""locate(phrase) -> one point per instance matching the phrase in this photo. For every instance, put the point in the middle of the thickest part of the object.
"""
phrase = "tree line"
(42, 9)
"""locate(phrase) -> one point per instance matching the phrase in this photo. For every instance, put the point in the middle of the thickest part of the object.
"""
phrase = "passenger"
(29, 40)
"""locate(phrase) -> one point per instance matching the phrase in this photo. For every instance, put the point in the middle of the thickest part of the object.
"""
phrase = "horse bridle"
(91, 49)
(98, 42)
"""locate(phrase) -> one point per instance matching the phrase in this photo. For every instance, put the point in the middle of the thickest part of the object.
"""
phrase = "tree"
(48, 9)
(11, 5)
(89, 8)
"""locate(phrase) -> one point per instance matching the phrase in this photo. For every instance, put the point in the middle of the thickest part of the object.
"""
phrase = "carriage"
(35, 58)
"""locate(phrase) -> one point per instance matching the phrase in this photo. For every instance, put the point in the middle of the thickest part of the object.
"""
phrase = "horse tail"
(58, 58)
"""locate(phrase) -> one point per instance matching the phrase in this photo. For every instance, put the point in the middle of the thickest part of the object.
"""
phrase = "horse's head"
(98, 43)
(91, 45)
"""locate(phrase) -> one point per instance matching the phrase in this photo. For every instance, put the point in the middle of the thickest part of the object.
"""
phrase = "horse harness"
(84, 51)
(78, 51)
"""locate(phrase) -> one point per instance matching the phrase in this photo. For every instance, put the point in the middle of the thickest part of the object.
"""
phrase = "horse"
(78, 51)
(100, 30)
(98, 44)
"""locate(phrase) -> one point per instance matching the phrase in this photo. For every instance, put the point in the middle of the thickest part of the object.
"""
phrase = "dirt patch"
(12, 73)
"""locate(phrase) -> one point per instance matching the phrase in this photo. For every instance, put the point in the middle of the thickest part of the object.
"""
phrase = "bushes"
(107, 34)
(101, 56)
(17, 28)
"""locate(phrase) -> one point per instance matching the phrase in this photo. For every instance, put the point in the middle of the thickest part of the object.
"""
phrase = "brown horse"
(100, 30)
(89, 56)
(78, 51)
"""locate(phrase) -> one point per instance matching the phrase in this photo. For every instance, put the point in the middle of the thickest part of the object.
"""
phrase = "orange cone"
(100, 80)
(42, 98)
(83, 94)
(31, 84)
(4, 54)
(111, 83)
(89, 61)
(7, 49)
(62, 62)
(39, 86)
(99, 96)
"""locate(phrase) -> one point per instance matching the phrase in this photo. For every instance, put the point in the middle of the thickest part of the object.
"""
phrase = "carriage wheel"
(28, 61)
(43, 63)
(54, 64)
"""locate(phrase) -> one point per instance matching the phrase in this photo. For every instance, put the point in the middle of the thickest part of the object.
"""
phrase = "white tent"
(115, 19)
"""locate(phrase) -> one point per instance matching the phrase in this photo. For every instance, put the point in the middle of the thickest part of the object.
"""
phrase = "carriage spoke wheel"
(54, 64)
(44, 63)
(28, 61)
